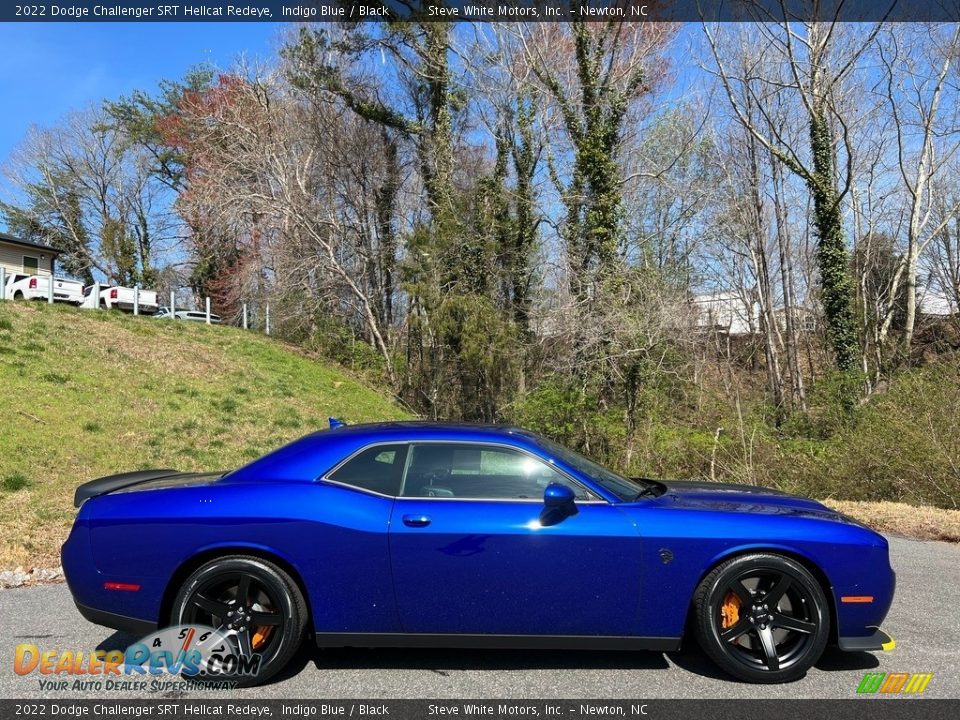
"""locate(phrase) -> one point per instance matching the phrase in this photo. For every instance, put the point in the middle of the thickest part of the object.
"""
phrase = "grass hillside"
(86, 394)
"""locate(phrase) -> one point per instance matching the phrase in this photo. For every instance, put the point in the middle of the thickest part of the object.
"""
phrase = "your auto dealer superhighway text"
(68, 12)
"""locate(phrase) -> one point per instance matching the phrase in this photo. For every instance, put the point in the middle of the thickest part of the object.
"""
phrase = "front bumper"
(879, 640)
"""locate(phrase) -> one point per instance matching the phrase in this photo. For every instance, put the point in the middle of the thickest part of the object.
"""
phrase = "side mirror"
(556, 495)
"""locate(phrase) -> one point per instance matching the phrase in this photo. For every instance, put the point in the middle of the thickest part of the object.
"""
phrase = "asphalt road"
(925, 620)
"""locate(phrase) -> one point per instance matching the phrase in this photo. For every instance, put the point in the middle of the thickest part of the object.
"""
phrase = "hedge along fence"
(246, 318)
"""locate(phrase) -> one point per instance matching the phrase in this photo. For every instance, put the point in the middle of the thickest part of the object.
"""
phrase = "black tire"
(18, 295)
(213, 590)
(782, 618)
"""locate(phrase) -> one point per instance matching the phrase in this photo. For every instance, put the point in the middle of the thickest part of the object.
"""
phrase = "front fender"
(681, 546)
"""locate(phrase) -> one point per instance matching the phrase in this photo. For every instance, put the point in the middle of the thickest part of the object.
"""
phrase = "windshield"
(626, 489)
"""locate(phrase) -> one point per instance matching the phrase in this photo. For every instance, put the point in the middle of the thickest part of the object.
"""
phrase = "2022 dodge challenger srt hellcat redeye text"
(444, 535)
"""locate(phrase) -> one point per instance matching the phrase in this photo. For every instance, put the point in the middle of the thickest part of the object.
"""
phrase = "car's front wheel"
(762, 618)
(251, 601)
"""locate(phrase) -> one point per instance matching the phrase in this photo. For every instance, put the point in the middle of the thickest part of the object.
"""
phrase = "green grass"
(12, 483)
(88, 394)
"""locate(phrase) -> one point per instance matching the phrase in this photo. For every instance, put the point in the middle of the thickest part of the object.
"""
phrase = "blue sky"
(50, 69)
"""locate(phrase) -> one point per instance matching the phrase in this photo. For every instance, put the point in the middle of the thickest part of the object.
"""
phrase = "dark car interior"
(451, 470)
(471, 471)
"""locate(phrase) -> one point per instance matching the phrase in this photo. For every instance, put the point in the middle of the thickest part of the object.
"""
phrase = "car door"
(474, 549)
(348, 556)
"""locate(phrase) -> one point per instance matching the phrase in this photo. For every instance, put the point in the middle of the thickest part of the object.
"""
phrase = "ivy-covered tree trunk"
(594, 108)
(837, 290)
(595, 199)
(437, 149)
(523, 230)
(386, 210)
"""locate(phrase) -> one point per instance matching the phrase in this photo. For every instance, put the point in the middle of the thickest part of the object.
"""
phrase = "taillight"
(113, 294)
(33, 283)
(128, 587)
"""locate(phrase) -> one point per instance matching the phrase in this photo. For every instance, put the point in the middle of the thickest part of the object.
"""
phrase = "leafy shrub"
(903, 445)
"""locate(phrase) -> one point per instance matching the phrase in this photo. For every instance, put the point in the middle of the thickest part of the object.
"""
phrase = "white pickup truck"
(120, 297)
(37, 287)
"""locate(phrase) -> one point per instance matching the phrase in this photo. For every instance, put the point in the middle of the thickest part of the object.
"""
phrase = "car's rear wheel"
(252, 601)
(762, 618)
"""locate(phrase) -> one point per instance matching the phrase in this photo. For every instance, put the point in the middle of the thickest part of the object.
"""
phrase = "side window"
(377, 469)
(449, 470)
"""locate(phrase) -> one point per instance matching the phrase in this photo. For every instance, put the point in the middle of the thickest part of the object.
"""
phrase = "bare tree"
(263, 159)
(595, 75)
(88, 191)
(810, 62)
(917, 65)
(944, 255)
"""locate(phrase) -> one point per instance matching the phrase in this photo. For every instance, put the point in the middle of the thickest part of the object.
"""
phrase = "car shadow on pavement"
(835, 659)
(121, 641)
(118, 641)
(693, 659)
(441, 660)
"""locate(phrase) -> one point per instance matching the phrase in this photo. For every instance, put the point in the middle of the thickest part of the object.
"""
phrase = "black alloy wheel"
(762, 618)
(251, 601)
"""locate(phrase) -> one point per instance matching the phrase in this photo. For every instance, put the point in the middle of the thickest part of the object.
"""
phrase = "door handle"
(416, 520)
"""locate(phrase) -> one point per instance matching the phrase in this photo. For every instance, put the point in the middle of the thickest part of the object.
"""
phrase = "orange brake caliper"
(730, 610)
(260, 636)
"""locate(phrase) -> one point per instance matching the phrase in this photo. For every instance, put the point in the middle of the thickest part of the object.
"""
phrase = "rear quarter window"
(377, 469)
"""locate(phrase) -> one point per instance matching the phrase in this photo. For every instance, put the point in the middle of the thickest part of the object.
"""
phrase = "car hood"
(731, 497)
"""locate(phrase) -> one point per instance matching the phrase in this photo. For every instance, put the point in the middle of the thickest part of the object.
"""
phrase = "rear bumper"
(879, 640)
(134, 626)
(117, 610)
(57, 296)
(144, 307)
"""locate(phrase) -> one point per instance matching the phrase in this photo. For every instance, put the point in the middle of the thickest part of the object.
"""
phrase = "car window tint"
(451, 470)
(377, 469)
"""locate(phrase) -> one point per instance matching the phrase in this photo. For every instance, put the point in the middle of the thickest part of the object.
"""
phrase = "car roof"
(429, 429)
(424, 430)
(427, 425)
(311, 455)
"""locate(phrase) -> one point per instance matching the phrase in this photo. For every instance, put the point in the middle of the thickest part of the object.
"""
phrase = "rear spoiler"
(108, 484)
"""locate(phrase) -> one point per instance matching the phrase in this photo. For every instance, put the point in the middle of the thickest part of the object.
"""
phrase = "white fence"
(172, 308)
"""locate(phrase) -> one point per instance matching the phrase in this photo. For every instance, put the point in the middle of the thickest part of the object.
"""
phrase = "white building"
(727, 312)
(934, 303)
(22, 256)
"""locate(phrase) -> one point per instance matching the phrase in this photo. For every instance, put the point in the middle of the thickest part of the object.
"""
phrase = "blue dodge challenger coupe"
(444, 535)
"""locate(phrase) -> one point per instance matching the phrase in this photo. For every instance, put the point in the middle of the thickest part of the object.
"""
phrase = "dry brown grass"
(919, 522)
